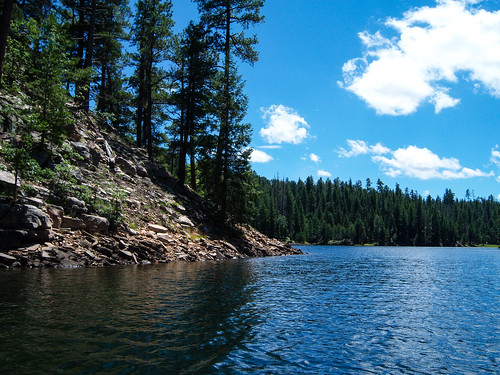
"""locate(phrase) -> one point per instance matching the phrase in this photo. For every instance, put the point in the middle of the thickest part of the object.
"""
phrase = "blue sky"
(404, 91)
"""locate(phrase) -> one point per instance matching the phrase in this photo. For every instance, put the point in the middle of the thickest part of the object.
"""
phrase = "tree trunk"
(89, 55)
(148, 115)
(220, 188)
(192, 168)
(80, 47)
(4, 32)
(181, 170)
(102, 89)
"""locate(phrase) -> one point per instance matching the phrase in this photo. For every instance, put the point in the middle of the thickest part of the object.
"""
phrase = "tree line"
(338, 212)
(177, 95)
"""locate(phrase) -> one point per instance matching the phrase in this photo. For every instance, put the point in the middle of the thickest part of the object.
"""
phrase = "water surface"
(334, 310)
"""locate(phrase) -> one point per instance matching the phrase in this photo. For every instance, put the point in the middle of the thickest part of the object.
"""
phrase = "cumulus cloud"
(358, 147)
(315, 158)
(495, 156)
(395, 76)
(284, 125)
(259, 156)
(423, 164)
(322, 173)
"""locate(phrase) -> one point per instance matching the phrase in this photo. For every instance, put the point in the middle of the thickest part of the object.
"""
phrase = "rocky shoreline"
(70, 248)
(160, 220)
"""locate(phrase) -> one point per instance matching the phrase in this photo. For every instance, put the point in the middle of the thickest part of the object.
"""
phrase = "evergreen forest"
(346, 213)
(179, 96)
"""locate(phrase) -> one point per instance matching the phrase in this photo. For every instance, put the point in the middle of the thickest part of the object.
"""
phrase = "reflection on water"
(181, 317)
(336, 310)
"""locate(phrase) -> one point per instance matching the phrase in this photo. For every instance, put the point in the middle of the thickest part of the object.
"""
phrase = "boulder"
(164, 237)
(82, 150)
(17, 238)
(126, 166)
(7, 180)
(7, 259)
(95, 156)
(133, 203)
(141, 171)
(185, 221)
(127, 255)
(96, 223)
(75, 205)
(23, 217)
(157, 228)
(56, 213)
(72, 223)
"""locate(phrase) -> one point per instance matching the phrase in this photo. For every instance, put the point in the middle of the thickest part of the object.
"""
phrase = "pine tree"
(193, 74)
(227, 20)
(151, 35)
(236, 172)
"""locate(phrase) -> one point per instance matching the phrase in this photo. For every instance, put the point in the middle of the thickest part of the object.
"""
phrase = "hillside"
(102, 202)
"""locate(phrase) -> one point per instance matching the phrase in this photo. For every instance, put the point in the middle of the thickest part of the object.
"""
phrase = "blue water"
(356, 310)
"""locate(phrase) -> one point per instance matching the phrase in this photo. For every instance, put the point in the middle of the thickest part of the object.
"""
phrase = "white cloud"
(315, 158)
(322, 173)
(379, 149)
(259, 156)
(395, 76)
(423, 164)
(271, 147)
(495, 156)
(284, 125)
(358, 147)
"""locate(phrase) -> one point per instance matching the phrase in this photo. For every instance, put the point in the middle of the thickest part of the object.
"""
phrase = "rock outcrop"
(156, 219)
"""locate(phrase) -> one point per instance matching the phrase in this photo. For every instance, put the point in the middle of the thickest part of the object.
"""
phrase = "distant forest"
(346, 213)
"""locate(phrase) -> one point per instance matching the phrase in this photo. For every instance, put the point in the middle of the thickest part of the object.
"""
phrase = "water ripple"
(335, 310)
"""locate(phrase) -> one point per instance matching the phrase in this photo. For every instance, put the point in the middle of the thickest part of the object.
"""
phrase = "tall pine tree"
(151, 35)
(227, 20)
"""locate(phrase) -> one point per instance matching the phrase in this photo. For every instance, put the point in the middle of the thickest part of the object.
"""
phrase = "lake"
(333, 310)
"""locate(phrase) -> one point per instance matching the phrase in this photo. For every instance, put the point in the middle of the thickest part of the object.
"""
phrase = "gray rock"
(185, 221)
(7, 259)
(37, 202)
(104, 250)
(72, 223)
(82, 150)
(7, 180)
(46, 255)
(164, 237)
(96, 223)
(132, 203)
(56, 213)
(90, 254)
(126, 166)
(43, 192)
(157, 228)
(126, 254)
(17, 238)
(141, 171)
(76, 205)
(95, 157)
(23, 217)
